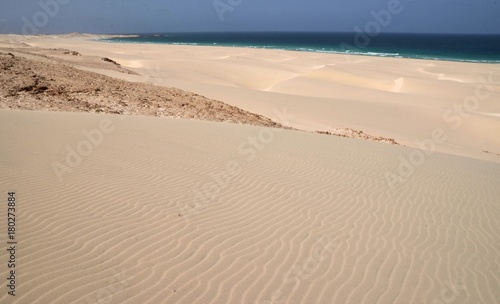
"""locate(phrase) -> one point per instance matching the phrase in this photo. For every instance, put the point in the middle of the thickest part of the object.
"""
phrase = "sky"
(161, 16)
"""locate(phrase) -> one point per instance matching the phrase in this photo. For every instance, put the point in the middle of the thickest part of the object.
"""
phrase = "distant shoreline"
(457, 48)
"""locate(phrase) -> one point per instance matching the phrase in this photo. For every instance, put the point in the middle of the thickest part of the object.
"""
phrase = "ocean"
(467, 48)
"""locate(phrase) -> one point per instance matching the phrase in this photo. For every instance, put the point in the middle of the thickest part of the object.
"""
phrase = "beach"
(195, 174)
(404, 99)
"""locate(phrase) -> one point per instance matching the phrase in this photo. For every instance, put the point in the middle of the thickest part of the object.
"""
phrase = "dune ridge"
(41, 82)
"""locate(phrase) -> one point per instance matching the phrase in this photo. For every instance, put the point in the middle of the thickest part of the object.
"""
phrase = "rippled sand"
(158, 210)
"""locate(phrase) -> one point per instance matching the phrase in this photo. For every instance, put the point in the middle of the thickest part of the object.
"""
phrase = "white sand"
(404, 99)
(308, 219)
(160, 210)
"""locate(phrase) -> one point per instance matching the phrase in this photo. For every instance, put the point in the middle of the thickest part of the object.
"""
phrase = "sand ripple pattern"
(114, 229)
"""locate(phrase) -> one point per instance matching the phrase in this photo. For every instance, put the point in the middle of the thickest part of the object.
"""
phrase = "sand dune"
(30, 80)
(404, 99)
(136, 209)
(161, 210)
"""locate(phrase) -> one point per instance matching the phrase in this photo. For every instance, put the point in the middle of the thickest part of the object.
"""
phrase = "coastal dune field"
(214, 184)
(134, 209)
(403, 99)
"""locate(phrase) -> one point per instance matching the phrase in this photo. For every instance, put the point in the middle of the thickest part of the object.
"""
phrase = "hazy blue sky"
(140, 16)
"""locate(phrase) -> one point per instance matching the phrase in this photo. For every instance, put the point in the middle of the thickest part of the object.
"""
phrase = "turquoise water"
(468, 48)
